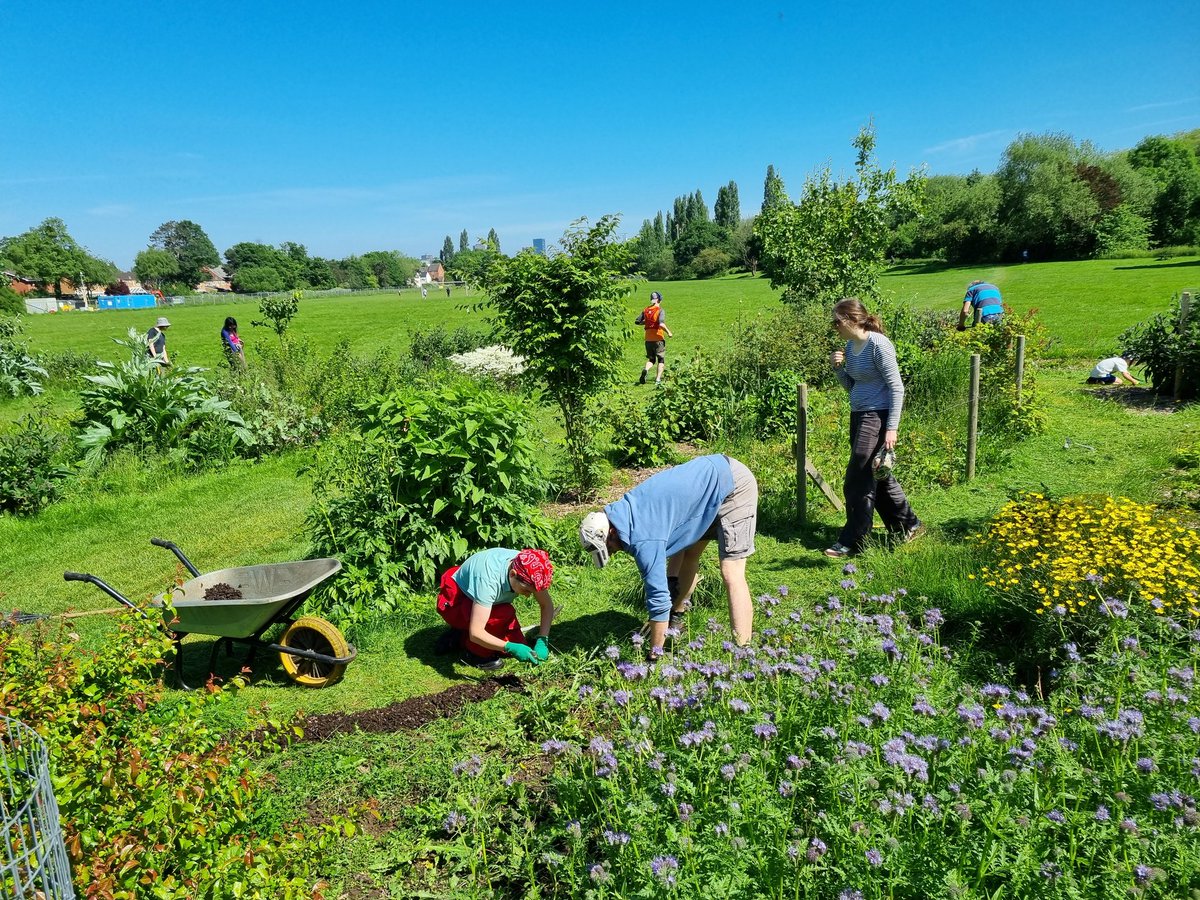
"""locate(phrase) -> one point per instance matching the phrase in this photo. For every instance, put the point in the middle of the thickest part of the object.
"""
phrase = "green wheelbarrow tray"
(313, 652)
(266, 591)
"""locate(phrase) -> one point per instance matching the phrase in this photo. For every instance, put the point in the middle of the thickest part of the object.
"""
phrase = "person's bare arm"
(478, 628)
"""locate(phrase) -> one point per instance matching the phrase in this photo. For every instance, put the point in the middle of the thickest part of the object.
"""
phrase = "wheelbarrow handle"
(159, 542)
(111, 591)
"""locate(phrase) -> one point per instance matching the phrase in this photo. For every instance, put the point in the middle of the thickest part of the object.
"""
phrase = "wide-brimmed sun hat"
(162, 322)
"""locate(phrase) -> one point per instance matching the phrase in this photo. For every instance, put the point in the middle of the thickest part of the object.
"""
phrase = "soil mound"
(408, 714)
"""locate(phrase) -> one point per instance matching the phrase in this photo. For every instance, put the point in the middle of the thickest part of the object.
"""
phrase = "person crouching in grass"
(476, 600)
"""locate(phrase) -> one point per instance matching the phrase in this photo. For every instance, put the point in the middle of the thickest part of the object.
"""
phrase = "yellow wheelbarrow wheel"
(316, 635)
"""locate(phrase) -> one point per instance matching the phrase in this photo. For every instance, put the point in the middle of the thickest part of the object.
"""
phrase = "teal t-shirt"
(484, 577)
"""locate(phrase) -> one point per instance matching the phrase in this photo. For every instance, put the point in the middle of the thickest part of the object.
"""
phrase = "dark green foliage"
(727, 211)
(20, 373)
(447, 253)
(430, 348)
(1161, 347)
(257, 279)
(427, 478)
(49, 255)
(11, 303)
(144, 780)
(65, 365)
(773, 191)
(31, 465)
(141, 405)
(191, 247)
(564, 314)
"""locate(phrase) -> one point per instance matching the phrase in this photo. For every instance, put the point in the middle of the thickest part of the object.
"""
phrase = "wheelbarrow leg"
(178, 640)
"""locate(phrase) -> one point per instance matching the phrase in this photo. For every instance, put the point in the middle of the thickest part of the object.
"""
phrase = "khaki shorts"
(737, 516)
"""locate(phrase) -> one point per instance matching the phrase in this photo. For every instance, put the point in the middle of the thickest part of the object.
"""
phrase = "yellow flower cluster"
(1071, 553)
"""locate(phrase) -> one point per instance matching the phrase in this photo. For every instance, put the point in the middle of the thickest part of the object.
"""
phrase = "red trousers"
(455, 607)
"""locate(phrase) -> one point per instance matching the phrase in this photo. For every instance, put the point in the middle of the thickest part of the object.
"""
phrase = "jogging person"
(654, 321)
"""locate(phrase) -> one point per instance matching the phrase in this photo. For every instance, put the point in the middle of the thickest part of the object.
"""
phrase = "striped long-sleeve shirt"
(873, 378)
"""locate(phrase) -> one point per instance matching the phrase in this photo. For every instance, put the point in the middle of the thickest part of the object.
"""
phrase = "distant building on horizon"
(539, 246)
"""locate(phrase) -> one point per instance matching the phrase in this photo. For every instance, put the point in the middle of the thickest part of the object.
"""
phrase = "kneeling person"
(666, 522)
(476, 600)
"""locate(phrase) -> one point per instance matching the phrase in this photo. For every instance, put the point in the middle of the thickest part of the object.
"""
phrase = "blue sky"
(359, 126)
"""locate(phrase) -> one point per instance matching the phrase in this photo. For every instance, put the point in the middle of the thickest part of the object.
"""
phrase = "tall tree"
(660, 230)
(447, 253)
(679, 218)
(155, 267)
(464, 242)
(727, 211)
(773, 192)
(191, 247)
(698, 209)
(565, 313)
(493, 240)
(831, 245)
(1173, 166)
(48, 254)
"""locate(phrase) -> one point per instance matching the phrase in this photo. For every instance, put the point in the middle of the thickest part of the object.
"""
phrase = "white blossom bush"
(496, 362)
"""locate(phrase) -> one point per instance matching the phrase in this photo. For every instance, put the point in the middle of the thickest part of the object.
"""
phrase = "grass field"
(1085, 305)
(254, 512)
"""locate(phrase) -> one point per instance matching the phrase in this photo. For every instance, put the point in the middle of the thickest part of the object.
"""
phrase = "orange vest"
(651, 316)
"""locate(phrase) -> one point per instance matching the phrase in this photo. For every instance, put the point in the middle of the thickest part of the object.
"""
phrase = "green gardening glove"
(541, 647)
(523, 652)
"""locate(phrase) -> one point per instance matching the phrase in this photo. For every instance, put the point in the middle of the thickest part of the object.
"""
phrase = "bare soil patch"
(408, 714)
(1138, 399)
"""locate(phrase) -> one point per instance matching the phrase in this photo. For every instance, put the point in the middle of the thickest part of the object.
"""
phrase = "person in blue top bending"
(666, 522)
(983, 297)
(867, 368)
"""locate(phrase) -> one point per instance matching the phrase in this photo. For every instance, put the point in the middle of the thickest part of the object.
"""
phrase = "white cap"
(593, 534)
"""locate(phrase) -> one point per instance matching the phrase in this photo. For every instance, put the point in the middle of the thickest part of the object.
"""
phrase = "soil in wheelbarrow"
(408, 714)
(222, 591)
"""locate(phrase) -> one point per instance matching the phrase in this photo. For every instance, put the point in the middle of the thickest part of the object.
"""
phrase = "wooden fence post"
(1185, 304)
(972, 416)
(802, 451)
(1020, 365)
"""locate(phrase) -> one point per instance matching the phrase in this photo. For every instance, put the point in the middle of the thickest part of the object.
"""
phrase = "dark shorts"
(1106, 379)
(656, 351)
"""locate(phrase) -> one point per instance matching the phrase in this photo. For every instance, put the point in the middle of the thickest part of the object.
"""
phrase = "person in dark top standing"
(156, 342)
(984, 298)
(232, 344)
(867, 368)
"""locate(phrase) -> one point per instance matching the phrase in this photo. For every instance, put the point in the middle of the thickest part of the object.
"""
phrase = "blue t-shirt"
(667, 513)
(985, 298)
(484, 577)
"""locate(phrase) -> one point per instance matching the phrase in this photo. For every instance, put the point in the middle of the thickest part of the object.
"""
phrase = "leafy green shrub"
(431, 349)
(20, 374)
(138, 403)
(1161, 347)
(278, 311)
(66, 365)
(428, 477)
(639, 437)
(31, 469)
(155, 802)
(11, 303)
(277, 421)
(794, 339)
(774, 404)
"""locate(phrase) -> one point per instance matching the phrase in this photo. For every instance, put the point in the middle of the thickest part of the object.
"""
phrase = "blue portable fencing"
(126, 301)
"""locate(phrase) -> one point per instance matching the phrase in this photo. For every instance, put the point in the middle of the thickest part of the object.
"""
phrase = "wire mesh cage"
(34, 865)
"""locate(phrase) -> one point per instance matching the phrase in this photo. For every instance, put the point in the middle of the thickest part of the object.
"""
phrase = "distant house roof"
(218, 273)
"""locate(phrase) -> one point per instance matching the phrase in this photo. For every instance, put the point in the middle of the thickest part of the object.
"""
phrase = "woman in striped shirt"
(867, 369)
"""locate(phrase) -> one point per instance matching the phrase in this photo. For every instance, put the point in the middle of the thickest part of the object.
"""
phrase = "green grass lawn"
(254, 512)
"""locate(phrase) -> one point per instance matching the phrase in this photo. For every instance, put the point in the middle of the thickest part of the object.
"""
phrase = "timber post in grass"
(972, 416)
(1020, 366)
(1185, 305)
(802, 451)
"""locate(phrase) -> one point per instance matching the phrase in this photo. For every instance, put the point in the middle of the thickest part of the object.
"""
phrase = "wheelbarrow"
(313, 651)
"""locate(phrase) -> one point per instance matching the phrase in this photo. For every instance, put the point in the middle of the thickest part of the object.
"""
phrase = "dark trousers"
(864, 495)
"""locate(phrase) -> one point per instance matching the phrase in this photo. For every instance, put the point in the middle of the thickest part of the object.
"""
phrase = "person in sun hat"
(156, 342)
(476, 601)
(666, 522)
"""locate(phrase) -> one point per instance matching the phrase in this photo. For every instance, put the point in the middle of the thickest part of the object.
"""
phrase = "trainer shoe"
(838, 551)
(480, 662)
(642, 379)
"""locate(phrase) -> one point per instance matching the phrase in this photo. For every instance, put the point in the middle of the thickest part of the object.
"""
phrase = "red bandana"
(533, 567)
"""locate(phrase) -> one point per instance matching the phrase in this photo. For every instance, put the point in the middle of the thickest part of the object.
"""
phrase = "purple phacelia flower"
(1055, 816)
(1101, 814)
(1146, 765)
(816, 849)
(874, 857)
(765, 731)
(454, 822)
(739, 705)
